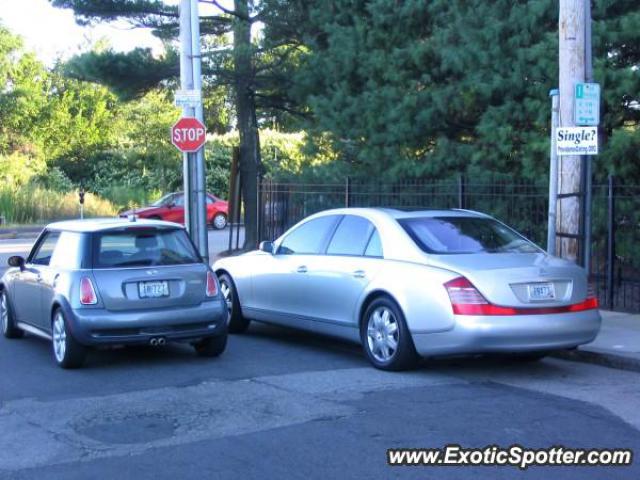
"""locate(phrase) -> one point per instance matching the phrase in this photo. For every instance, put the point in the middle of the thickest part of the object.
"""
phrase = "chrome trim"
(33, 330)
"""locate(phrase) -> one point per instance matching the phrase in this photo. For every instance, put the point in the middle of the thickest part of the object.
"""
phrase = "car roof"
(400, 214)
(104, 224)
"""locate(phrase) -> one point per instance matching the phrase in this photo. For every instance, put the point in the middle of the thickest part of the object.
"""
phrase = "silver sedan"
(410, 284)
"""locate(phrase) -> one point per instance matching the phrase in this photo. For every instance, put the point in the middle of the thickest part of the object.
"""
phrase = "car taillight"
(87, 292)
(592, 297)
(467, 300)
(212, 286)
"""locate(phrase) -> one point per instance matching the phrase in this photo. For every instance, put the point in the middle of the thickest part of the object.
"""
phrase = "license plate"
(153, 289)
(542, 291)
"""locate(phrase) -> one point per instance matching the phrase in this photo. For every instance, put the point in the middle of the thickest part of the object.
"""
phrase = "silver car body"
(120, 316)
(329, 293)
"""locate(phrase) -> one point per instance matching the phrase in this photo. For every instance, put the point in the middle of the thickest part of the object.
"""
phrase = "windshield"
(143, 247)
(447, 235)
(163, 201)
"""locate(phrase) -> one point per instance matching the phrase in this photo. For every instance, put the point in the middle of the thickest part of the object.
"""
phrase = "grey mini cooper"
(108, 282)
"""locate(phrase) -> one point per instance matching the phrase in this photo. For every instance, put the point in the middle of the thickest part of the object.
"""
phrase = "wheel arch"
(371, 297)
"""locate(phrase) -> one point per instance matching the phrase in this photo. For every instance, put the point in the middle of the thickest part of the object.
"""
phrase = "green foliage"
(430, 88)
(36, 205)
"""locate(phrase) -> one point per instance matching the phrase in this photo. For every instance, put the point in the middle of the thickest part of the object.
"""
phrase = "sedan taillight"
(87, 292)
(467, 300)
(212, 286)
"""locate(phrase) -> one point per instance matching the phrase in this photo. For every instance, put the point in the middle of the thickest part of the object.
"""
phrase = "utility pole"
(193, 163)
(569, 225)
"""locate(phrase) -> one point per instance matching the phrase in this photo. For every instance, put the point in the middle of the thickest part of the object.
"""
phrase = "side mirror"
(266, 247)
(16, 261)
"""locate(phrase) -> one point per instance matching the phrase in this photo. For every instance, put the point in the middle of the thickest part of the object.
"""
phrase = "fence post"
(611, 238)
(347, 193)
(461, 191)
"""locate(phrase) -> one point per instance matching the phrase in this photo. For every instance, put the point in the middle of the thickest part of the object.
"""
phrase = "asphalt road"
(284, 404)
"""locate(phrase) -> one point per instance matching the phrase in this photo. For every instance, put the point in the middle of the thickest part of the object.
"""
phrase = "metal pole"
(553, 176)
(199, 204)
(186, 82)
(611, 239)
(588, 167)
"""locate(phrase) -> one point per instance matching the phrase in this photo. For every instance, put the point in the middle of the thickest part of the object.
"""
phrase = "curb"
(611, 360)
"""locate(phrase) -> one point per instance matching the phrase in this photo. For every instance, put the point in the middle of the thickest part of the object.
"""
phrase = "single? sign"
(188, 134)
(577, 140)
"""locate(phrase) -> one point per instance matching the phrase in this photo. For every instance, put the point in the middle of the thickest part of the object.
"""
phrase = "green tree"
(429, 88)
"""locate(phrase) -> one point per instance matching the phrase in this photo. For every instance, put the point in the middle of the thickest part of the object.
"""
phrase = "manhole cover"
(141, 429)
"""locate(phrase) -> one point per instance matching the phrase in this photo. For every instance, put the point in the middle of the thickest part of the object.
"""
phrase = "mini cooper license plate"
(542, 291)
(153, 289)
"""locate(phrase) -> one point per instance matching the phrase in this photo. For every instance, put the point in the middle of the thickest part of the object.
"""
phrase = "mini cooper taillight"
(212, 286)
(87, 292)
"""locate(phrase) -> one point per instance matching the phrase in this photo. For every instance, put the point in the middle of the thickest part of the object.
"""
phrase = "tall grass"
(37, 205)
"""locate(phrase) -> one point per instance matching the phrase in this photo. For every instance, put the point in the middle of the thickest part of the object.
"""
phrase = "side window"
(178, 200)
(68, 251)
(210, 201)
(42, 255)
(309, 237)
(351, 236)
(374, 249)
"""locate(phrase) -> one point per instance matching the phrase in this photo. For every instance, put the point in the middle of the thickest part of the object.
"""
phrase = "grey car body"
(66, 254)
(377, 285)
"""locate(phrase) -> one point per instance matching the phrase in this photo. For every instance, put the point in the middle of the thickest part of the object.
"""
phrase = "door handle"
(39, 279)
(359, 274)
(302, 269)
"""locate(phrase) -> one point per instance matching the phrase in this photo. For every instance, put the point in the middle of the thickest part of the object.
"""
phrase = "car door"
(280, 282)
(28, 292)
(175, 209)
(67, 256)
(338, 278)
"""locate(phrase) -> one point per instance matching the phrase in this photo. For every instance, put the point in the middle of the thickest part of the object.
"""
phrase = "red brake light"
(212, 286)
(87, 292)
(467, 300)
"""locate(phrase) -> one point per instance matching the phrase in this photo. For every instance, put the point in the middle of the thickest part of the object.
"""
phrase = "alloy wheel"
(59, 337)
(383, 334)
(228, 298)
(219, 221)
(4, 312)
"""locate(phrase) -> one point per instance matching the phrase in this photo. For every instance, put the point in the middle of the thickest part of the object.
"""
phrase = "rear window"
(142, 248)
(442, 235)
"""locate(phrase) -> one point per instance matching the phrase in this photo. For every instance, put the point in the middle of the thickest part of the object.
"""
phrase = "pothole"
(138, 429)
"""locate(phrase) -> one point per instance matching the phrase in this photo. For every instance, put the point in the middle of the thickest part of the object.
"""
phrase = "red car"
(171, 209)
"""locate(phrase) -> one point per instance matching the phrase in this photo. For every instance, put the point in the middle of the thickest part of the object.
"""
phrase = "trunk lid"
(119, 288)
(519, 279)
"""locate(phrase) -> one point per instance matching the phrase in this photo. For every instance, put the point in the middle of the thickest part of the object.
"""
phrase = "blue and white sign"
(587, 104)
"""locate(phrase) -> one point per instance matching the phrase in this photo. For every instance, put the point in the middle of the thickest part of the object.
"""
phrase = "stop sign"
(188, 134)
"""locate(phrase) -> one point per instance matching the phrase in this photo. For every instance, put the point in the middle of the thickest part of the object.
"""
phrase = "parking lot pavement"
(285, 404)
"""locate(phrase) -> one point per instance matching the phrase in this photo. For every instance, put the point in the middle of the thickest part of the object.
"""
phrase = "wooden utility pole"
(572, 70)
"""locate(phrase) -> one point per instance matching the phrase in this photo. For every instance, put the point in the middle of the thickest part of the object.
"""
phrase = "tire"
(211, 346)
(9, 330)
(67, 352)
(237, 323)
(386, 340)
(219, 221)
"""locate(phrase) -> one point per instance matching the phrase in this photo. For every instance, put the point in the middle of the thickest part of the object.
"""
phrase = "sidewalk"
(617, 345)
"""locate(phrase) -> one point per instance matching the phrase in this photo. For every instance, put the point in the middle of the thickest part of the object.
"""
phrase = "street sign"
(188, 134)
(587, 104)
(188, 98)
(577, 140)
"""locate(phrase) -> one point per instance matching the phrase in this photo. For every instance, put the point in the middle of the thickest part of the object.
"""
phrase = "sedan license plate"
(153, 289)
(542, 291)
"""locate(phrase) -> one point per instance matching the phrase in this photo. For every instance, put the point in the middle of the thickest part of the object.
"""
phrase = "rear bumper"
(520, 333)
(94, 327)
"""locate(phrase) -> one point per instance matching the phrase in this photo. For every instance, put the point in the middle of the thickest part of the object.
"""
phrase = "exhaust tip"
(153, 342)
(161, 342)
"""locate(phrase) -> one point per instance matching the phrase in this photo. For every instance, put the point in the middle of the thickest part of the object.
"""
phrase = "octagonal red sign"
(188, 134)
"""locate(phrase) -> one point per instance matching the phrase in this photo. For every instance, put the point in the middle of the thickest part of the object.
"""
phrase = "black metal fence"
(615, 245)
